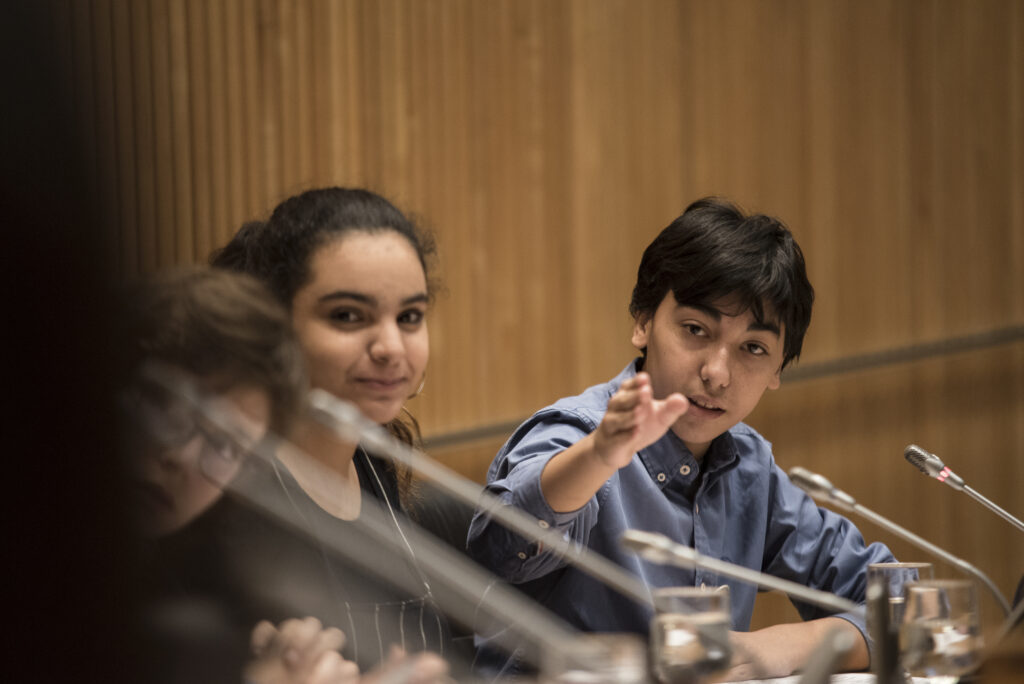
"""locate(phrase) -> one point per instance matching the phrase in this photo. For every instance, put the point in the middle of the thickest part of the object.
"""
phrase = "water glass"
(689, 639)
(598, 658)
(895, 576)
(940, 635)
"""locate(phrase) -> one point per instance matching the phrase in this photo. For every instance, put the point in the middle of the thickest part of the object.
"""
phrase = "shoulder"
(590, 405)
(751, 446)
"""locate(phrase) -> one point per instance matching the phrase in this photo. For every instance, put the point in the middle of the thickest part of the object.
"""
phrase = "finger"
(330, 639)
(296, 637)
(331, 668)
(262, 634)
(670, 408)
(625, 399)
(429, 667)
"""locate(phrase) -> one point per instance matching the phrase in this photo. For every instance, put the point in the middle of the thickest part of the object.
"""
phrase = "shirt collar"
(669, 454)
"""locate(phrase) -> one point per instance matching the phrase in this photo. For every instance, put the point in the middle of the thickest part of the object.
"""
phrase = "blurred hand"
(298, 652)
(400, 667)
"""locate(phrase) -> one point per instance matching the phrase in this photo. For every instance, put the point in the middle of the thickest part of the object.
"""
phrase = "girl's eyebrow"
(347, 294)
(418, 298)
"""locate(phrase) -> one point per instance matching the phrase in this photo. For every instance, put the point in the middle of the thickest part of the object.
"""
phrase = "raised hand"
(634, 420)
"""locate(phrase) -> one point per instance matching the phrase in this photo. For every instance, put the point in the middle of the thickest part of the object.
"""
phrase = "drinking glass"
(940, 635)
(597, 658)
(895, 576)
(689, 640)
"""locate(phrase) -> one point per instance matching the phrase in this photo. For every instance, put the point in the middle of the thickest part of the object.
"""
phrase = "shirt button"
(661, 477)
(543, 524)
(522, 555)
(685, 470)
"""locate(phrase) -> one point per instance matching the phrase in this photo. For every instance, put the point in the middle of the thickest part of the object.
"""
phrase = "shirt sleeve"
(818, 548)
(514, 478)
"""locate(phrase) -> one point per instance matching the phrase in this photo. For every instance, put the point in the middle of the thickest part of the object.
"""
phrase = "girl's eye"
(344, 316)
(411, 317)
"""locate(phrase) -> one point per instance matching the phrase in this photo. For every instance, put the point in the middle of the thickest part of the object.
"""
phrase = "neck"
(327, 473)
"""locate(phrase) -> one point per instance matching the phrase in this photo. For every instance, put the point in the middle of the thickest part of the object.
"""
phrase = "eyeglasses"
(170, 423)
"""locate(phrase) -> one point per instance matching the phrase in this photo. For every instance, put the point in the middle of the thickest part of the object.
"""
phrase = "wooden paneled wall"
(547, 142)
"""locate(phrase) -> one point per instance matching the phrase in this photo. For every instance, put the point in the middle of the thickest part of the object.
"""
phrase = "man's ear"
(641, 330)
(776, 380)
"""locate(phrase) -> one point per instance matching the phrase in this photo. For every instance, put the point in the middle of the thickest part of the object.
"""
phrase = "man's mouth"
(705, 404)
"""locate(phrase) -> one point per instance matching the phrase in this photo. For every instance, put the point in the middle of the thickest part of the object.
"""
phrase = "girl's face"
(183, 461)
(361, 321)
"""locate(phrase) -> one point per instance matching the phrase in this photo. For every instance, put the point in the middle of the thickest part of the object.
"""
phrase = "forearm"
(571, 478)
(780, 650)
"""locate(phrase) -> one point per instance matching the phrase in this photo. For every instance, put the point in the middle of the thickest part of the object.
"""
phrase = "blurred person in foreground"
(220, 336)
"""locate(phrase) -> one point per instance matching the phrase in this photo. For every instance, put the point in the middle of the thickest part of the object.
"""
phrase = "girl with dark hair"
(352, 271)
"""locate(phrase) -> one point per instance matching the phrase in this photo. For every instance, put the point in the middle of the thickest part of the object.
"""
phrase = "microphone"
(821, 489)
(885, 661)
(349, 424)
(657, 548)
(469, 592)
(932, 466)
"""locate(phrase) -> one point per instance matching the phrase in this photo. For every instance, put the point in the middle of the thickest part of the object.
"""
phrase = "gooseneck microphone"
(932, 466)
(823, 490)
(349, 424)
(466, 591)
(657, 548)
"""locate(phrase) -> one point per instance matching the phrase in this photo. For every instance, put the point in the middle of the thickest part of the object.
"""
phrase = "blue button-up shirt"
(736, 505)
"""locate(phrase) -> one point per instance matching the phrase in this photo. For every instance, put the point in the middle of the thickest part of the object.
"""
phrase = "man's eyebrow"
(716, 315)
(767, 326)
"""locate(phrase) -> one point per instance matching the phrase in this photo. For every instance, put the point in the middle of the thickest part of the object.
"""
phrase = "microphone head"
(819, 487)
(932, 466)
(927, 462)
(652, 547)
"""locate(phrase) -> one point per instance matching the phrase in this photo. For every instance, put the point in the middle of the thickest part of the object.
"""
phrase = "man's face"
(720, 359)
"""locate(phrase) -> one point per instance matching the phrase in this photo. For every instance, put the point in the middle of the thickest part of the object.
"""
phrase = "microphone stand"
(931, 465)
(657, 548)
(349, 424)
(471, 591)
(823, 490)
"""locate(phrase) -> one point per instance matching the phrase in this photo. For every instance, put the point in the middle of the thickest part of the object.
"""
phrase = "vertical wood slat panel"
(198, 104)
(212, 14)
(547, 142)
(126, 124)
(103, 98)
(184, 228)
(145, 140)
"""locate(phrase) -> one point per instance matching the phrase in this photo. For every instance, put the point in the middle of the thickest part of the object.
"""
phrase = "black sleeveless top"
(313, 564)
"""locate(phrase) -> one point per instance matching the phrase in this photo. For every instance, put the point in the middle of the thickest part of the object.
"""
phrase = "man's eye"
(693, 329)
(756, 349)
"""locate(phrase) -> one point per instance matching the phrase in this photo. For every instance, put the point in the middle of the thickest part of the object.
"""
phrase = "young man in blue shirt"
(720, 307)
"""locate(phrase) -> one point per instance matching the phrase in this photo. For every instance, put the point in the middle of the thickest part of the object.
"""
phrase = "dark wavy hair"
(218, 325)
(279, 251)
(713, 251)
